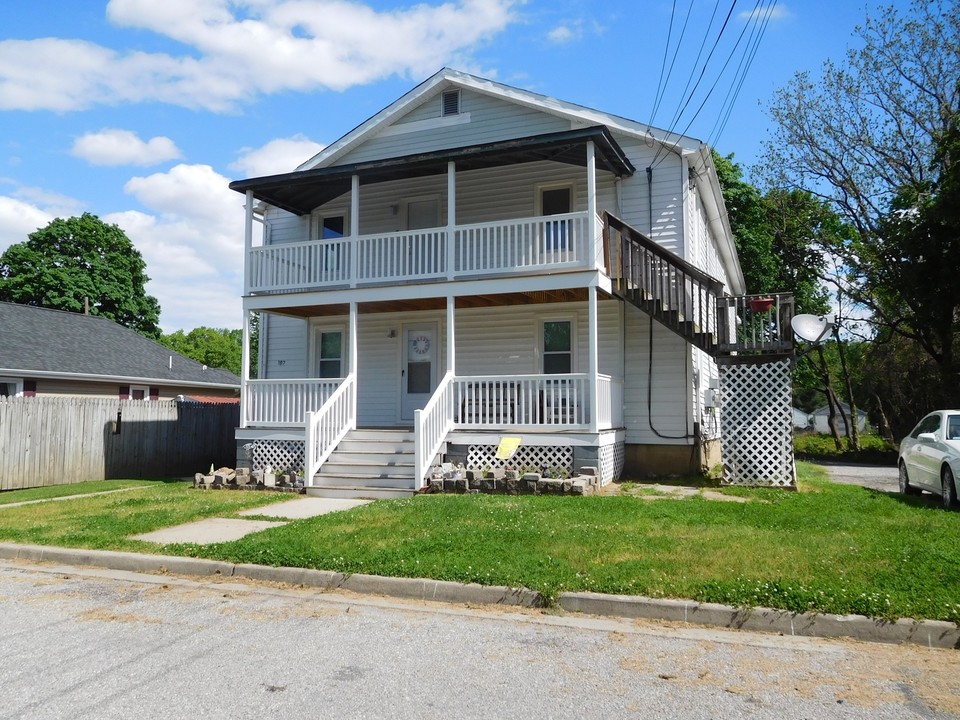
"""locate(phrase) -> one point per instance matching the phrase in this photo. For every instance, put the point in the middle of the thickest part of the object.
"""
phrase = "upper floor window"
(329, 226)
(450, 103)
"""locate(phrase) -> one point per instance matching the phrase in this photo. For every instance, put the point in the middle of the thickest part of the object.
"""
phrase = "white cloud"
(123, 147)
(778, 12)
(239, 48)
(18, 219)
(281, 155)
(562, 34)
(193, 245)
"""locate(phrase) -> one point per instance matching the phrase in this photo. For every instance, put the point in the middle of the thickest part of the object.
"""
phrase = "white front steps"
(368, 464)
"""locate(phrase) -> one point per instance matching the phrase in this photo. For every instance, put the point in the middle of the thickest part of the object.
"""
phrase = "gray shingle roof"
(40, 340)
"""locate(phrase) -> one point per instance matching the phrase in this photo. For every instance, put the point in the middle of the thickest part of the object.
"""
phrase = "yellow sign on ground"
(507, 447)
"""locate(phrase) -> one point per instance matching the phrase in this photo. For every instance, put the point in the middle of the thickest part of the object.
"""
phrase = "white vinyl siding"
(491, 120)
(665, 192)
(285, 347)
(482, 196)
(671, 385)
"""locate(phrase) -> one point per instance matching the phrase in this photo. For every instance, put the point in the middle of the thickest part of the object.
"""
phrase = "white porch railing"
(410, 255)
(525, 245)
(430, 427)
(609, 402)
(519, 245)
(282, 403)
(328, 426)
(498, 401)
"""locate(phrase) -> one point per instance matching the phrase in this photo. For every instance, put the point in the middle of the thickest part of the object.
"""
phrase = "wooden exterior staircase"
(691, 303)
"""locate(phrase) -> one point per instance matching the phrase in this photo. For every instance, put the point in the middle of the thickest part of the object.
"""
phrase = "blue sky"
(142, 111)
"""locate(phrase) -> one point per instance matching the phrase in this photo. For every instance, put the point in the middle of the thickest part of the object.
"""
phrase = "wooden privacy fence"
(54, 441)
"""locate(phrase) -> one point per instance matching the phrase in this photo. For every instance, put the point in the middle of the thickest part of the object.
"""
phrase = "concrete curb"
(932, 633)
(410, 588)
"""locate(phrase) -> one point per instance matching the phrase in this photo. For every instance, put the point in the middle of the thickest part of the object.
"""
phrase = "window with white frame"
(557, 346)
(11, 387)
(139, 392)
(555, 199)
(328, 352)
(329, 225)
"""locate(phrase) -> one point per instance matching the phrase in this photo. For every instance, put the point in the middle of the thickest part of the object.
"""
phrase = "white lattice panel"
(756, 424)
(538, 456)
(280, 455)
(611, 462)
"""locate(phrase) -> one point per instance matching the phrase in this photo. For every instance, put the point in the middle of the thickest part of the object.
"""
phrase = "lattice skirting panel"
(527, 456)
(280, 455)
(611, 462)
(756, 424)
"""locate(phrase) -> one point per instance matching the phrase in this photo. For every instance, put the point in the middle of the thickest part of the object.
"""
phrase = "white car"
(930, 457)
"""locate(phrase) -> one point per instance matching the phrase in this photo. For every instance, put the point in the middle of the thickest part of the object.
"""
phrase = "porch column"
(354, 228)
(247, 241)
(352, 365)
(592, 247)
(594, 357)
(451, 329)
(451, 216)
(245, 368)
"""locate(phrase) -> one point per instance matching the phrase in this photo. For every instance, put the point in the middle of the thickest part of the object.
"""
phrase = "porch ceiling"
(300, 192)
(440, 303)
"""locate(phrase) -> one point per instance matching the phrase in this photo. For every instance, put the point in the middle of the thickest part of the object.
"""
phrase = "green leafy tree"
(214, 347)
(81, 262)
(876, 136)
(217, 347)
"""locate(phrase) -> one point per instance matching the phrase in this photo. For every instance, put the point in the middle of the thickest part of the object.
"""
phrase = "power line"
(703, 68)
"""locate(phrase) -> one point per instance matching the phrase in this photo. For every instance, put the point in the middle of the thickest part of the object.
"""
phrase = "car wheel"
(948, 488)
(905, 487)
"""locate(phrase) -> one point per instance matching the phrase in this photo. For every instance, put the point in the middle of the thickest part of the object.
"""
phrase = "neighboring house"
(802, 420)
(47, 352)
(821, 419)
(473, 262)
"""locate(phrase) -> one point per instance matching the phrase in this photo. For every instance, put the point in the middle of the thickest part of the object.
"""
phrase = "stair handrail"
(328, 426)
(431, 426)
(639, 238)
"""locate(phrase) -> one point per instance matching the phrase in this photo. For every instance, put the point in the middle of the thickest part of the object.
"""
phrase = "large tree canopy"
(77, 262)
(876, 136)
(778, 237)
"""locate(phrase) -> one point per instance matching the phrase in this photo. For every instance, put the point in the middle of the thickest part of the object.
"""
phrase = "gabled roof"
(447, 78)
(39, 342)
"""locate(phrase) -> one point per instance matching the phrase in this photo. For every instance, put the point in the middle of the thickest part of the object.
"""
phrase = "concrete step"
(389, 445)
(359, 491)
(391, 474)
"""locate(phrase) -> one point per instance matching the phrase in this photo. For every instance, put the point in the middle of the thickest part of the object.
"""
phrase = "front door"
(418, 371)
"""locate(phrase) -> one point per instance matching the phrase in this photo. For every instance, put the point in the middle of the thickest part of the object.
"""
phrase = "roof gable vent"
(450, 103)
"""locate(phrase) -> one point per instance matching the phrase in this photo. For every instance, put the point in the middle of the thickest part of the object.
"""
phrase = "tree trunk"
(831, 402)
(853, 427)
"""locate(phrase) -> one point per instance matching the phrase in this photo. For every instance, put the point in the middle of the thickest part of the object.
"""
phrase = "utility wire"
(703, 71)
(757, 34)
(681, 108)
(665, 81)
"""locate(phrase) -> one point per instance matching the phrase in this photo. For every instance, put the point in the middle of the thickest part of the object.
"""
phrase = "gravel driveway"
(876, 477)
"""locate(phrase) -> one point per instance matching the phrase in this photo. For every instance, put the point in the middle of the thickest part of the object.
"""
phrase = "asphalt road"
(107, 644)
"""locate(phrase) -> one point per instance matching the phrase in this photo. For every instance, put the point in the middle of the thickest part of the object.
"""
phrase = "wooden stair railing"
(680, 296)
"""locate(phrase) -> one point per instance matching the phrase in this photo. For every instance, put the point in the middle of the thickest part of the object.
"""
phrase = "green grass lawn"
(828, 547)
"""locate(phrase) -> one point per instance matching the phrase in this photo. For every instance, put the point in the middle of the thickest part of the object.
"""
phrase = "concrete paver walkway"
(214, 530)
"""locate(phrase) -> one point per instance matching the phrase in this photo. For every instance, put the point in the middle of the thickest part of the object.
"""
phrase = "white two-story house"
(478, 261)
